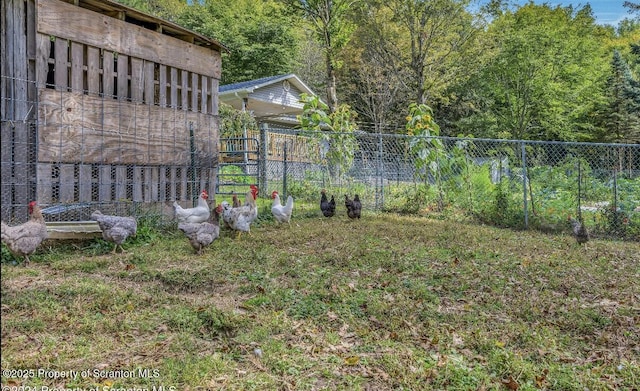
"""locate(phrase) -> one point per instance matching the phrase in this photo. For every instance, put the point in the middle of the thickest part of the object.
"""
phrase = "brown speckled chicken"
(579, 230)
(24, 239)
(115, 229)
(201, 235)
(235, 201)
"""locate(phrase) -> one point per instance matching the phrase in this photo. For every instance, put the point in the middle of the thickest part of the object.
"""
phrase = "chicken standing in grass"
(281, 213)
(201, 235)
(328, 208)
(354, 208)
(239, 219)
(579, 230)
(235, 202)
(22, 240)
(198, 214)
(115, 229)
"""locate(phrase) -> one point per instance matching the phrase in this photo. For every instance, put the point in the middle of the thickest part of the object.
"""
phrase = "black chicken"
(328, 208)
(354, 208)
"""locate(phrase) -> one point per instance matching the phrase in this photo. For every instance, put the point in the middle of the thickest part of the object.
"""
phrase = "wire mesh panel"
(508, 183)
(148, 142)
(108, 118)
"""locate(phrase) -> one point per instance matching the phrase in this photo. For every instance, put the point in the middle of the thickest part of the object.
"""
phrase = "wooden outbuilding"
(103, 106)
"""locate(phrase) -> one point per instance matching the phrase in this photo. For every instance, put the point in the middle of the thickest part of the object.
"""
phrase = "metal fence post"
(192, 150)
(524, 185)
(262, 160)
(285, 168)
(380, 175)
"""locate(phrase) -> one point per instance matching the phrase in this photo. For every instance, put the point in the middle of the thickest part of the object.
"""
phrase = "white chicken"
(199, 214)
(281, 213)
(239, 219)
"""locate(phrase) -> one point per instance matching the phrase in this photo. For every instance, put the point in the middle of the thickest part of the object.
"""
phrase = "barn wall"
(119, 113)
(76, 24)
(18, 106)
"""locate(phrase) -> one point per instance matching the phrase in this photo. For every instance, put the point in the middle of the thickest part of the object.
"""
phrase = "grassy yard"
(386, 302)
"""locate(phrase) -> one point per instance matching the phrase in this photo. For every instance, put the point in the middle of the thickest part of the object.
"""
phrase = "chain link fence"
(53, 153)
(518, 184)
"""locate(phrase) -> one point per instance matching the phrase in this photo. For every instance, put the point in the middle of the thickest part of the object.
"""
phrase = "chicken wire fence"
(129, 153)
(520, 184)
(75, 151)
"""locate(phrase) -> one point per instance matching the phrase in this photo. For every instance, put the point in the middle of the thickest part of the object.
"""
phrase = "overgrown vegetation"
(517, 70)
(386, 302)
(331, 133)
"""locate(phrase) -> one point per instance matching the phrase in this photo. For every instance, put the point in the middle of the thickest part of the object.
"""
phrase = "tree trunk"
(332, 97)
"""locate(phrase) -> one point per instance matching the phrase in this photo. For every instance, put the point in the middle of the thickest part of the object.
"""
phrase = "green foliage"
(428, 151)
(433, 161)
(332, 132)
(6, 255)
(614, 222)
(479, 185)
(498, 204)
(330, 23)
(233, 123)
(236, 170)
(259, 35)
(621, 114)
(409, 199)
(307, 188)
(543, 80)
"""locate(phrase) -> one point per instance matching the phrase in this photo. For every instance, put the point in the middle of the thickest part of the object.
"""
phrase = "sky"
(605, 11)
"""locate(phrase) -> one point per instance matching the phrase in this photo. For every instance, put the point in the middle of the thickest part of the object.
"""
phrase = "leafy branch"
(332, 132)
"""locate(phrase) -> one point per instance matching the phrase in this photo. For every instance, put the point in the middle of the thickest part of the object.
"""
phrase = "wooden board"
(77, 128)
(77, 24)
(73, 230)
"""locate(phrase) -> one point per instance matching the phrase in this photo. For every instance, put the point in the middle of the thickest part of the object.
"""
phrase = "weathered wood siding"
(18, 107)
(98, 109)
(123, 120)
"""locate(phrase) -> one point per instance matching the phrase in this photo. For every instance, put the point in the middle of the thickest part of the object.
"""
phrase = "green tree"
(634, 7)
(165, 9)
(405, 51)
(371, 83)
(622, 112)
(430, 39)
(329, 20)
(260, 35)
(235, 123)
(544, 78)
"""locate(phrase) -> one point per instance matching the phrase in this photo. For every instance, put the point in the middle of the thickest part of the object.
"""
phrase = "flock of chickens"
(199, 224)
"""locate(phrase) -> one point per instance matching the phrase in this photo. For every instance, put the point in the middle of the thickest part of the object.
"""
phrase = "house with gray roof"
(273, 99)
